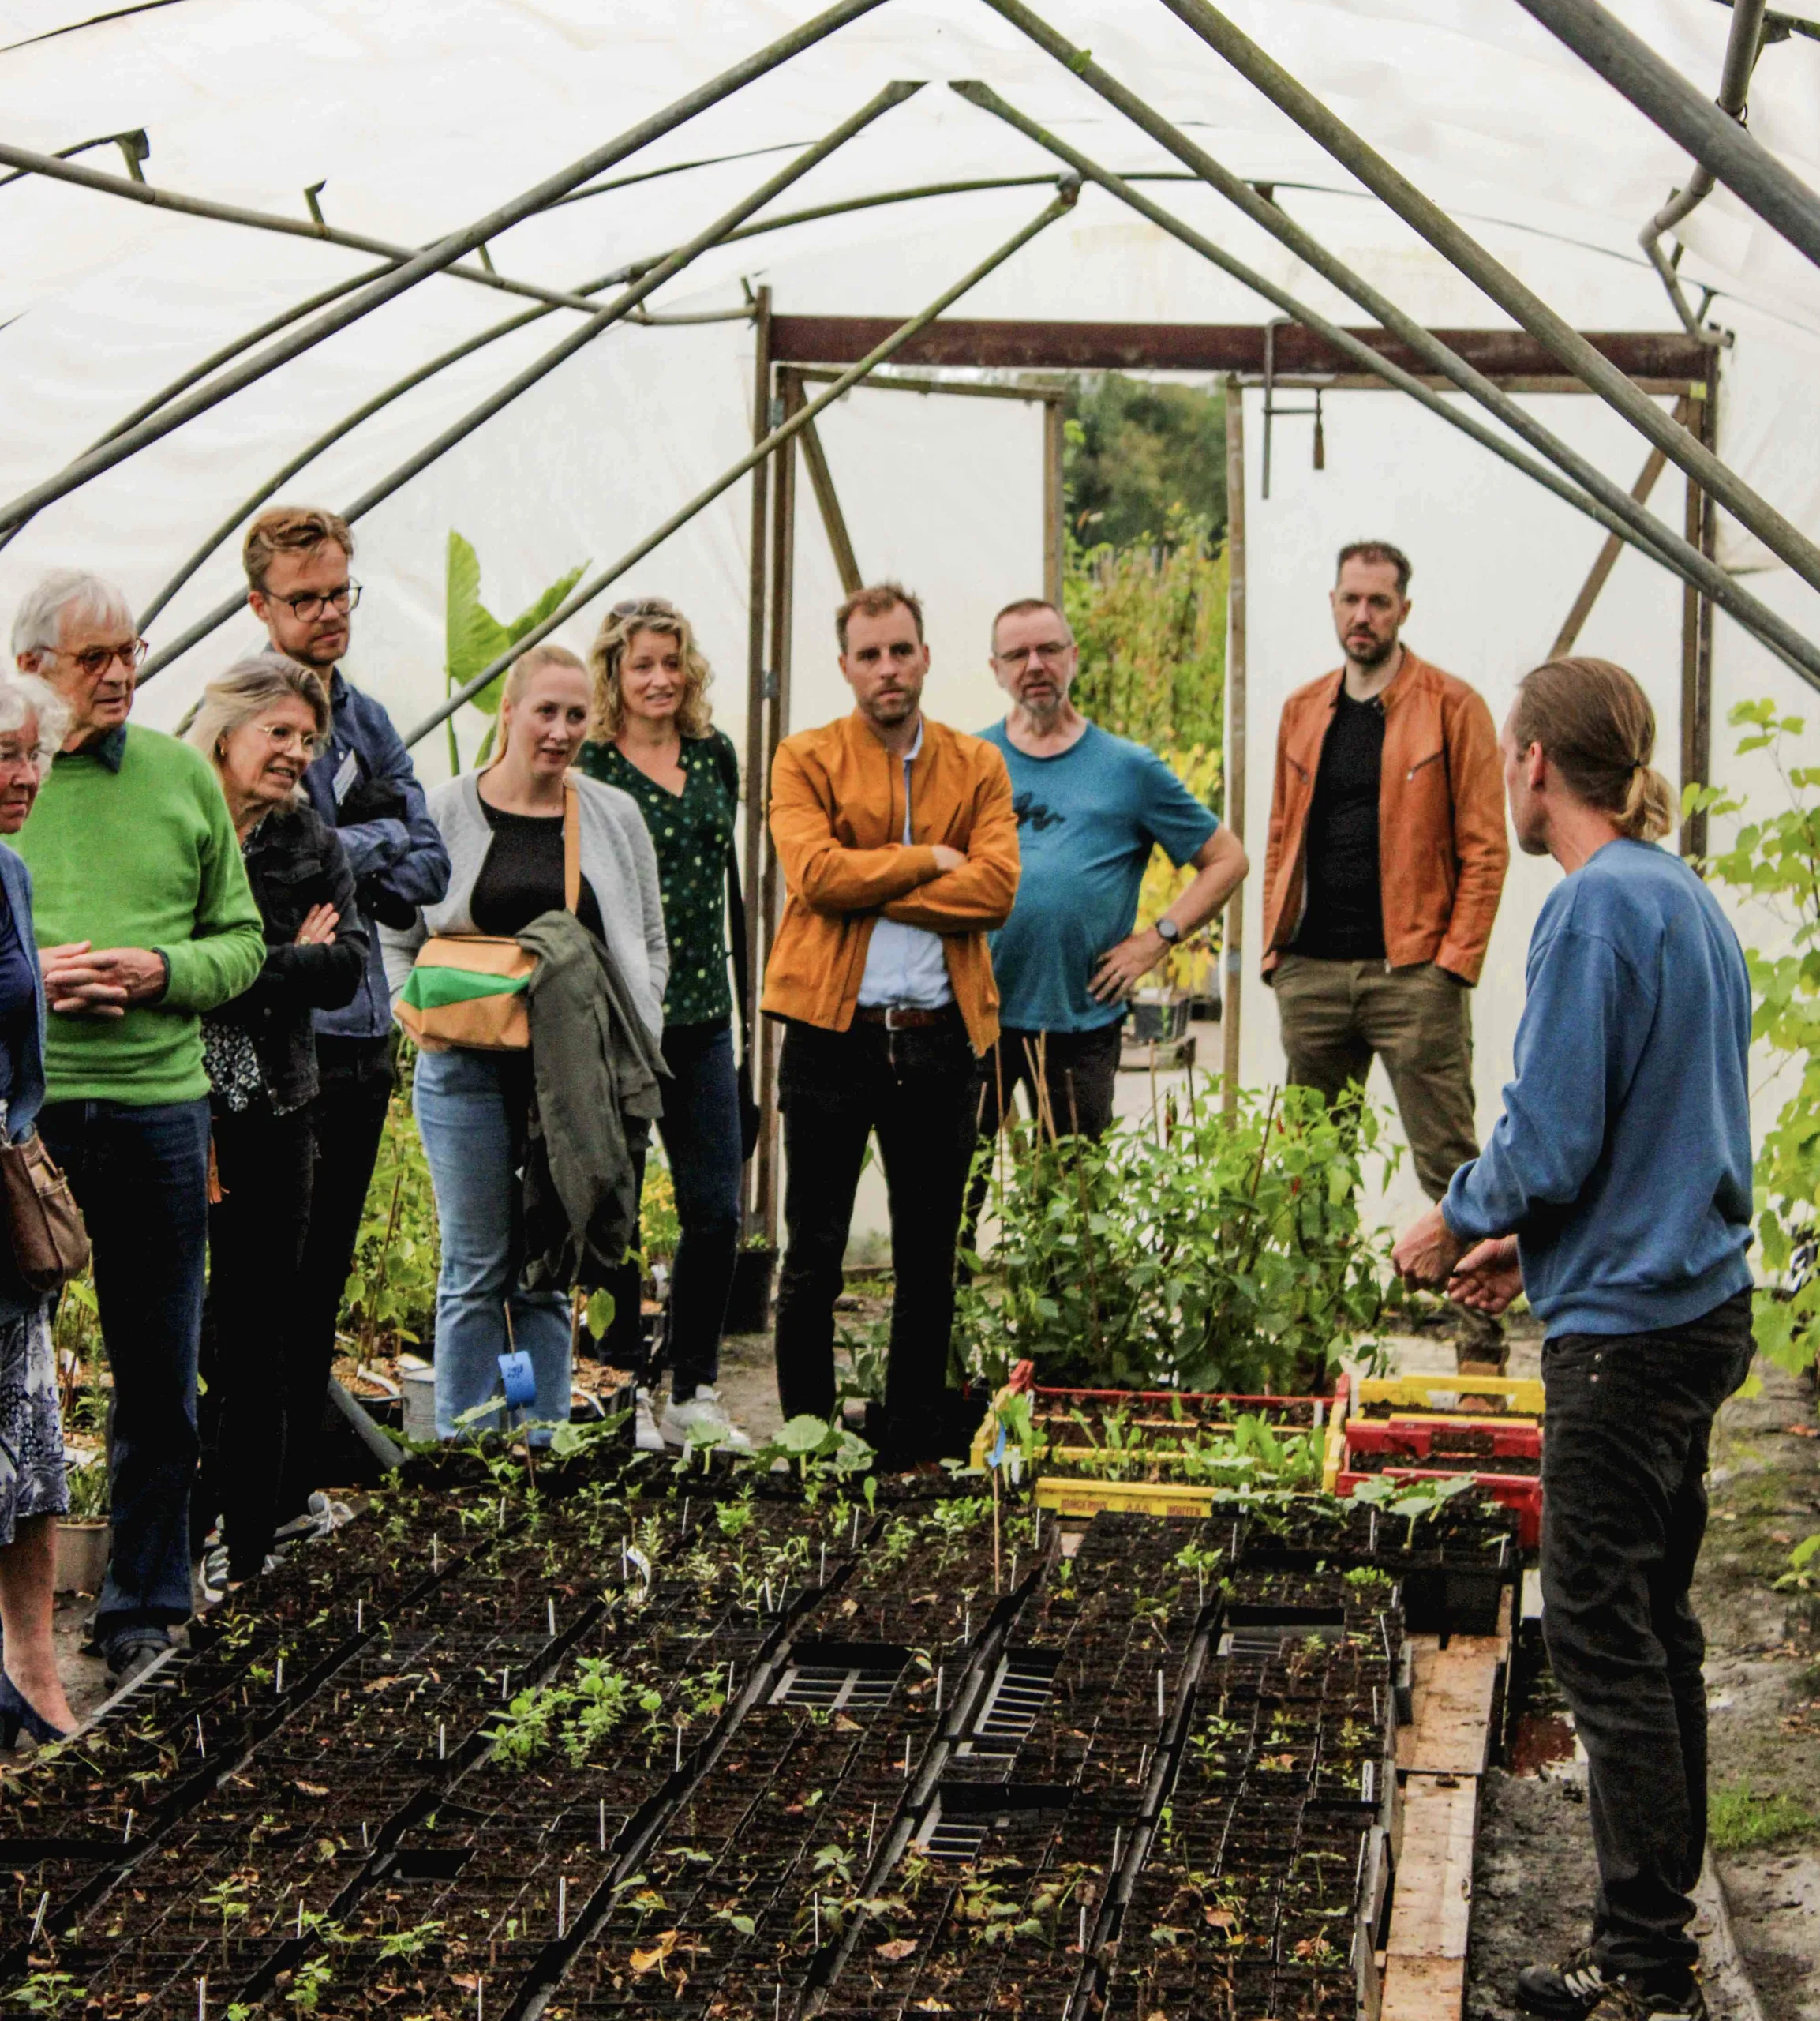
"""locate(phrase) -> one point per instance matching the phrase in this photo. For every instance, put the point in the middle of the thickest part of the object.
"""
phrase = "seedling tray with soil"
(713, 1744)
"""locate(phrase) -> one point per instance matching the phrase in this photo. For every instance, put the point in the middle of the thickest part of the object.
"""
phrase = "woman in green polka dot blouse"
(653, 738)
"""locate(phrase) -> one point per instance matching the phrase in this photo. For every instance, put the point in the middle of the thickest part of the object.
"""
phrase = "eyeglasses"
(1046, 649)
(286, 736)
(96, 660)
(646, 607)
(307, 607)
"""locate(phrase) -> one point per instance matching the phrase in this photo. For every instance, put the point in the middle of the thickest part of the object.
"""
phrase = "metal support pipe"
(1464, 252)
(52, 170)
(598, 323)
(134, 148)
(1607, 559)
(1232, 953)
(1697, 637)
(757, 835)
(1742, 46)
(828, 503)
(433, 259)
(1663, 96)
(1609, 504)
(786, 431)
(1055, 499)
(767, 1160)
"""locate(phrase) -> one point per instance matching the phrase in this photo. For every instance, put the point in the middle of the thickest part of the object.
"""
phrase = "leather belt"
(904, 1017)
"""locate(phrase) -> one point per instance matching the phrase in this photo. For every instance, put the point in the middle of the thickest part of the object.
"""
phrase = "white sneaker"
(702, 1421)
(646, 1435)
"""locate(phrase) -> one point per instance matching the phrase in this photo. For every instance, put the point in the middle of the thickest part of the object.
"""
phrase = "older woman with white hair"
(33, 1489)
(261, 725)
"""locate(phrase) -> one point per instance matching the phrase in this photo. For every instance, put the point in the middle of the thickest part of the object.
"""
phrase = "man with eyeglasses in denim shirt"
(298, 560)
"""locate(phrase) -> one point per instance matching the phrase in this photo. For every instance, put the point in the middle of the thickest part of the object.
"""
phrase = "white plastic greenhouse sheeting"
(422, 119)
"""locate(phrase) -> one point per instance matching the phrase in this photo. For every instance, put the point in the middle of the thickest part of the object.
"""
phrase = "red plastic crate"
(1416, 1439)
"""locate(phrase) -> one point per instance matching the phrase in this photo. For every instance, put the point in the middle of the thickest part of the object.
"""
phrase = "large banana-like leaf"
(474, 636)
(544, 604)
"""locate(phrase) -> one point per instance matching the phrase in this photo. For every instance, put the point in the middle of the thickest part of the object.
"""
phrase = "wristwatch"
(1167, 932)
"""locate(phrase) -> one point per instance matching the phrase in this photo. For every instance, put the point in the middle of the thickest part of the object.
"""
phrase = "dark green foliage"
(1140, 456)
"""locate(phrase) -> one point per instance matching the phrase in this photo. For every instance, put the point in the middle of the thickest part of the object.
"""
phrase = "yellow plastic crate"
(1522, 1395)
(1075, 1498)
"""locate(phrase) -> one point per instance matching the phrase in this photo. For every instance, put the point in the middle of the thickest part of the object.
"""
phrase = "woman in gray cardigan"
(504, 828)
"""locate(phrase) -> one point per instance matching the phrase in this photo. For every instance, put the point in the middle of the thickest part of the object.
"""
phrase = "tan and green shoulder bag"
(468, 989)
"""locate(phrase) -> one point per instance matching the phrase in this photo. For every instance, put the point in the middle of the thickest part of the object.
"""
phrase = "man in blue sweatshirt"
(1615, 1191)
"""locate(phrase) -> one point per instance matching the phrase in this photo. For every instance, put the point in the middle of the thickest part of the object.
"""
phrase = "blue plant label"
(521, 1384)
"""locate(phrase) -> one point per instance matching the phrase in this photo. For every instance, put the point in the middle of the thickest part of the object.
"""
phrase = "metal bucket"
(419, 1386)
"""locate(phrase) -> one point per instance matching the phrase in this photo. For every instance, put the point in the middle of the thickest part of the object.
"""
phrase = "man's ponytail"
(1597, 729)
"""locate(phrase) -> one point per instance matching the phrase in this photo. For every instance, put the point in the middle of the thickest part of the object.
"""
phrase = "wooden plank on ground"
(1430, 1916)
(1455, 1689)
(1423, 1989)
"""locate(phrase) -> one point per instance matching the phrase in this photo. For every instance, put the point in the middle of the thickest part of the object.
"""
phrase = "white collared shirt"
(905, 965)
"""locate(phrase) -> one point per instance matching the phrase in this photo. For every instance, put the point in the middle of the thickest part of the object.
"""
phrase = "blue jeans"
(140, 1176)
(471, 1106)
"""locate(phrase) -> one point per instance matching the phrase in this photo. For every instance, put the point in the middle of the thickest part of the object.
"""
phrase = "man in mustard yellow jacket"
(899, 847)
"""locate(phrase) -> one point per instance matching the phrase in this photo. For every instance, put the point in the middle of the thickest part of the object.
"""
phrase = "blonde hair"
(1597, 729)
(518, 677)
(694, 717)
(232, 700)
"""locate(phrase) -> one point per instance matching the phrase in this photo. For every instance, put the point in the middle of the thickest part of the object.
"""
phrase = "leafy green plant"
(1198, 1250)
(389, 1297)
(1803, 1572)
(45, 1993)
(1151, 623)
(1424, 1499)
(815, 1444)
(308, 1983)
(88, 1489)
(228, 1899)
(411, 1944)
(476, 637)
(1775, 857)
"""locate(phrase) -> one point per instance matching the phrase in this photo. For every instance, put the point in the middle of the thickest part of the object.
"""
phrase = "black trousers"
(1630, 1416)
(1079, 1072)
(918, 1090)
(347, 1119)
(256, 1367)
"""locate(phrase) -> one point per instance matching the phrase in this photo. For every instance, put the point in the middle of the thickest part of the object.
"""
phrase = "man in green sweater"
(144, 921)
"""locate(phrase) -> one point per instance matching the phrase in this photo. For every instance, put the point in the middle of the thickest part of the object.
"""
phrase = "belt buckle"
(891, 1011)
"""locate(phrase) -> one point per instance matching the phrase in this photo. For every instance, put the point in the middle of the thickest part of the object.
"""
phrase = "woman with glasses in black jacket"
(260, 724)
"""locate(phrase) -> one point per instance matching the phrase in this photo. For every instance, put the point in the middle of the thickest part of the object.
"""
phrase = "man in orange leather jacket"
(1386, 858)
(899, 845)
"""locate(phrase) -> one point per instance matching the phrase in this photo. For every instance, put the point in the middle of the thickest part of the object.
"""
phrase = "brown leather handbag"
(48, 1244)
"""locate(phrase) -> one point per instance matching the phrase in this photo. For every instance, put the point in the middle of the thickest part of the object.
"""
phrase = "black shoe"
(17, 1710)
(132, 1653)
(1565, 1991)
(1626, 1998)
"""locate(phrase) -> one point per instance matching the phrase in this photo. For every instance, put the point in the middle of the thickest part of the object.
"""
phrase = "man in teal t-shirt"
(1091, 808)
